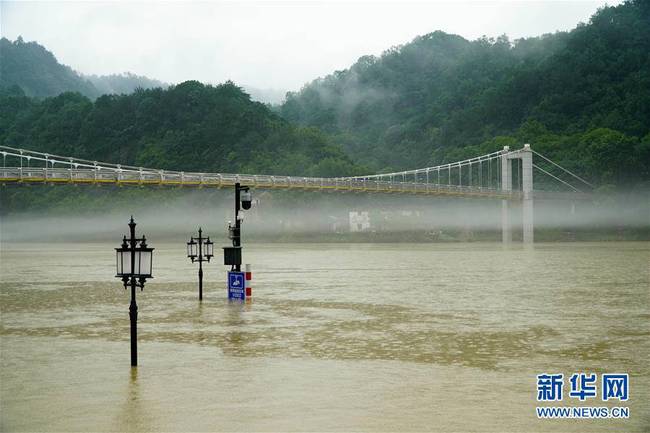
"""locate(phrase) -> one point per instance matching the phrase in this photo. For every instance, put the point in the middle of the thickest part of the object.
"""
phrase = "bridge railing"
(101, 175)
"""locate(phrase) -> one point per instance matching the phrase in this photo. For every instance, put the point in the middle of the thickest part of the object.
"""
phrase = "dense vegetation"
(581, 97)
(122, 83)
(35, 70)
(190, 127)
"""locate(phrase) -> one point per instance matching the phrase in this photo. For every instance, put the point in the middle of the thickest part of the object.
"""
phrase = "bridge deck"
(195, 180)
(17, 175)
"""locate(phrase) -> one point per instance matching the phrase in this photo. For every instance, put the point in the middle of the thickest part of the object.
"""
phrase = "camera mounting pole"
(236, 239)
(242, 200)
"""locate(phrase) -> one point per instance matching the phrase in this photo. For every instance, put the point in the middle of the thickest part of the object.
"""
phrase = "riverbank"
(451, 235)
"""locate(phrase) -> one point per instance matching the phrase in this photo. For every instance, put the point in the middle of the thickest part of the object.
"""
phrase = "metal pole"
(200, 265)
(133, 307)
(236, 242)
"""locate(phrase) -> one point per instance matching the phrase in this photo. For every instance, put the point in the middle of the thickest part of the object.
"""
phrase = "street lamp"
(133, 263)
(200, 249)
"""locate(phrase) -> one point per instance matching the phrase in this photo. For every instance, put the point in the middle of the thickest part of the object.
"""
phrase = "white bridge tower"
(525, 155)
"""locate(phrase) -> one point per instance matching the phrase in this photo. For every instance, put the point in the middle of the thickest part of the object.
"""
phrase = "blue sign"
(236, 288)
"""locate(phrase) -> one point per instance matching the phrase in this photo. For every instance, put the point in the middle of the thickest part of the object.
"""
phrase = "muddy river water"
(338, 337)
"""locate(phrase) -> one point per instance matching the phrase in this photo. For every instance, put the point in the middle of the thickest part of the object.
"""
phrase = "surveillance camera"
(246, 200)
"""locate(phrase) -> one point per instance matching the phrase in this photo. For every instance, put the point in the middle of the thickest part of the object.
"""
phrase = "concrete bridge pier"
(506, 185)
(527, 190)
(525, 155)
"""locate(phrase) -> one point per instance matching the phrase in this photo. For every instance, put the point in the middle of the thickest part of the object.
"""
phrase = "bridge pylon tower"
(525, 155)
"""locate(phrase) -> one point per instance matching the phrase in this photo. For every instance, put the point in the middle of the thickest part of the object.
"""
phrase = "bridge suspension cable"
(556, 178)
(471, 174)
(563, 169)
(448, 166)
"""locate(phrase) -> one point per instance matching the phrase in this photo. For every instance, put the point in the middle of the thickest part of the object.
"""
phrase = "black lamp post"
(133, 261)
(200, 249)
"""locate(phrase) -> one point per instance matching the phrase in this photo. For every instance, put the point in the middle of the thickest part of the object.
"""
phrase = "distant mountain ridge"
(38, 73)
(582, 94)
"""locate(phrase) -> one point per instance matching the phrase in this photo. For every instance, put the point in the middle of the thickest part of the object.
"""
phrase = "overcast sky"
(279, 45)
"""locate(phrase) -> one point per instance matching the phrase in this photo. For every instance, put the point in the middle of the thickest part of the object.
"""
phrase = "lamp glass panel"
(138, 258)
(208, 248)
(145, 262)
(118, 262)
(126, 263)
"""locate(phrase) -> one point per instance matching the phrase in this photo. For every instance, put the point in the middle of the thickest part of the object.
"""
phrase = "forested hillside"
(34, 69)
(190, 127)
(123, 83)
(582, 97)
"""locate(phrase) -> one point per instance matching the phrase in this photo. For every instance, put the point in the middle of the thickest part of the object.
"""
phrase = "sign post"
(237, 285)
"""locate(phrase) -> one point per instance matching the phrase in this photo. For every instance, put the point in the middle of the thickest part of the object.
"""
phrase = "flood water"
(378, 337)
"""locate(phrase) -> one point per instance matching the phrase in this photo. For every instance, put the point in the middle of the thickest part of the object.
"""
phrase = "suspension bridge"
(506, 175)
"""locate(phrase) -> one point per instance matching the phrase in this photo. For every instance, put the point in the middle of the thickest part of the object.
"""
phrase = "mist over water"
(286, 215)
